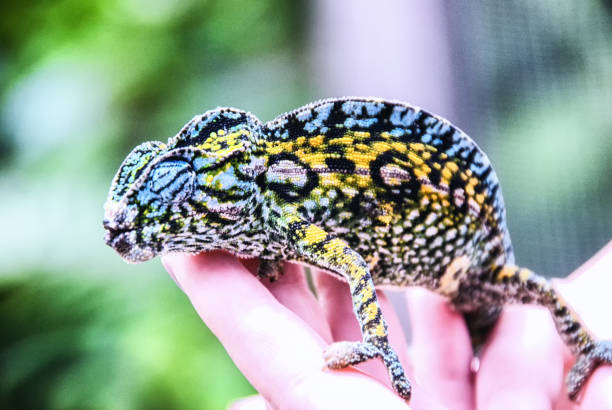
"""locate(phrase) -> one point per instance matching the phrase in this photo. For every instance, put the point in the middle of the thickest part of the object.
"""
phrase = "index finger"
(278, 352)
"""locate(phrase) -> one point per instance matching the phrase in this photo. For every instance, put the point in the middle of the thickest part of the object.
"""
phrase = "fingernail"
(168, 266)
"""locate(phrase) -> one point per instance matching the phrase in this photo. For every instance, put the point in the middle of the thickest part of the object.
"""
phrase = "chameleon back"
(400, 185)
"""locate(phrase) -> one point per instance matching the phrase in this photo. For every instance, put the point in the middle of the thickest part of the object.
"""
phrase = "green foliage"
(81, 83)
(73, 344)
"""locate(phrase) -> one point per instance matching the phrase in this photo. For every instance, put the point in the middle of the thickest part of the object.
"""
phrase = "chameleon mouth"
(123, 241)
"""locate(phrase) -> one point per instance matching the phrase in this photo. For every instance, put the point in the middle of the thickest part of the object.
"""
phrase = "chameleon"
(376, 192)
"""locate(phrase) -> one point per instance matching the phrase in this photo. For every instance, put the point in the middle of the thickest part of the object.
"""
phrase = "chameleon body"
(373, 191)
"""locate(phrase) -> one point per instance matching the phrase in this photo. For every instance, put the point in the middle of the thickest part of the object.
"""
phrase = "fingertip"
(523, 359)
(598, 391)
(440, 350)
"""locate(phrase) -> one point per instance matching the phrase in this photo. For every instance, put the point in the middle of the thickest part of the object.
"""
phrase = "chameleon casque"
(375, 192)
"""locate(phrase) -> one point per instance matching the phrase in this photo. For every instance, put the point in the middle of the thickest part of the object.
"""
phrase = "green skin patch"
(373, 191)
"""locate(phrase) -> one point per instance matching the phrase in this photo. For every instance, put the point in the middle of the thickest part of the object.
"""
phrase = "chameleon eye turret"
(377, 193)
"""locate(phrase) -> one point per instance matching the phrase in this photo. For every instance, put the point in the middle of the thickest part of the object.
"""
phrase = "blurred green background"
(82, 82)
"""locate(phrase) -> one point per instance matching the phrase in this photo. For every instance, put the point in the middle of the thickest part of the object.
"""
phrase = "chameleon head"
(179, 196)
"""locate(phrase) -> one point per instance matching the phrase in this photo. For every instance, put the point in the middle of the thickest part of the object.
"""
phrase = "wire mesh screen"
(534, 86)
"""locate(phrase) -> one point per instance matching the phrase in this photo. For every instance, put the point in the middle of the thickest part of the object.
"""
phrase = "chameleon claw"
(342, 354)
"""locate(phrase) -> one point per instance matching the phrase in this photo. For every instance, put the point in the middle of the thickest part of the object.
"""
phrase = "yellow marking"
(334, 248)
(426, 155)
(447, 174)
(399, 147)
(361, 134)
(380, 146)
(366, 294)
(437, 166)
(416, 160)
(524, 275)
(313, 235)
(380, 330)
(316, 141)
(449, 282)
(300, 140)
(313, 159)
(361, 160)
(480, 198)
(372, 261)
(363, 181)
(385, 219)
(419, 173)
(346, 140)
(417, 146)
(469, 189)
(452, 166)
(293, 217)
(221, 132)
(370, 311)
(506, 272)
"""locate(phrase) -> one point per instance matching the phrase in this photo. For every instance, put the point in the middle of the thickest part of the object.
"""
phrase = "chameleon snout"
(121, 235)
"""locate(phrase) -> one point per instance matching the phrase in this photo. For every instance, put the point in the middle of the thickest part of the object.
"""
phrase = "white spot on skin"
(431, 218)
(431, 231)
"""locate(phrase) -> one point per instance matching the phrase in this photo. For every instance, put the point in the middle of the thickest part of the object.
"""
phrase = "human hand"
(267, 326)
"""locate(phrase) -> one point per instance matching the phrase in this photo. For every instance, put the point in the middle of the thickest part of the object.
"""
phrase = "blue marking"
(405, 120)
(304, 115)
(200, 162)
(452, 150)
(323, 111)
(145, 196)
(374, 108)
(426, 138)
(353, 107)
(232, 115)
(364, 123)
(398, 132)
(158, 209)
(310, 126)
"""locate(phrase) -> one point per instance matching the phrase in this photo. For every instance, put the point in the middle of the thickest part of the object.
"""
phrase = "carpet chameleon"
(376, 192)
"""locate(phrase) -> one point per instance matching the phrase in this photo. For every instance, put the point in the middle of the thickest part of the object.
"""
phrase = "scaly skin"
(375, 192)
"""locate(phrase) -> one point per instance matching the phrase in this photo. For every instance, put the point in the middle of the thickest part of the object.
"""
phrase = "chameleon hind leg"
(316, 247)
(523, 286)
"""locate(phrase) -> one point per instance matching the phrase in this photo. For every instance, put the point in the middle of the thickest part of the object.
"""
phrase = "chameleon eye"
(172, 180)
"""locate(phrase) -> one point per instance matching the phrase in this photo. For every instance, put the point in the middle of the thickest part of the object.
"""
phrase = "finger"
(335, 298)
(259, 333)
(598, 391)
(292, 290)
(255, 402)
(441, 350)
(278, 352)
(522, 366)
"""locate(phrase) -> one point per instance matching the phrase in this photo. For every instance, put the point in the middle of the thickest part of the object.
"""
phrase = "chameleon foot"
(586, 365)
(343, 354)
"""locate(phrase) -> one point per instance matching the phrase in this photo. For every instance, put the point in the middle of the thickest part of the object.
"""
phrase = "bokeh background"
(82, 82)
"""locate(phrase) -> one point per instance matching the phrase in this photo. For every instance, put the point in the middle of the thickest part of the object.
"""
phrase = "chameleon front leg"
(317, 247)
(524, 286)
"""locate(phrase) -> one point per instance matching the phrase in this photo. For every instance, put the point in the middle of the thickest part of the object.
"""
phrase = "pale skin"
(276, 334)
